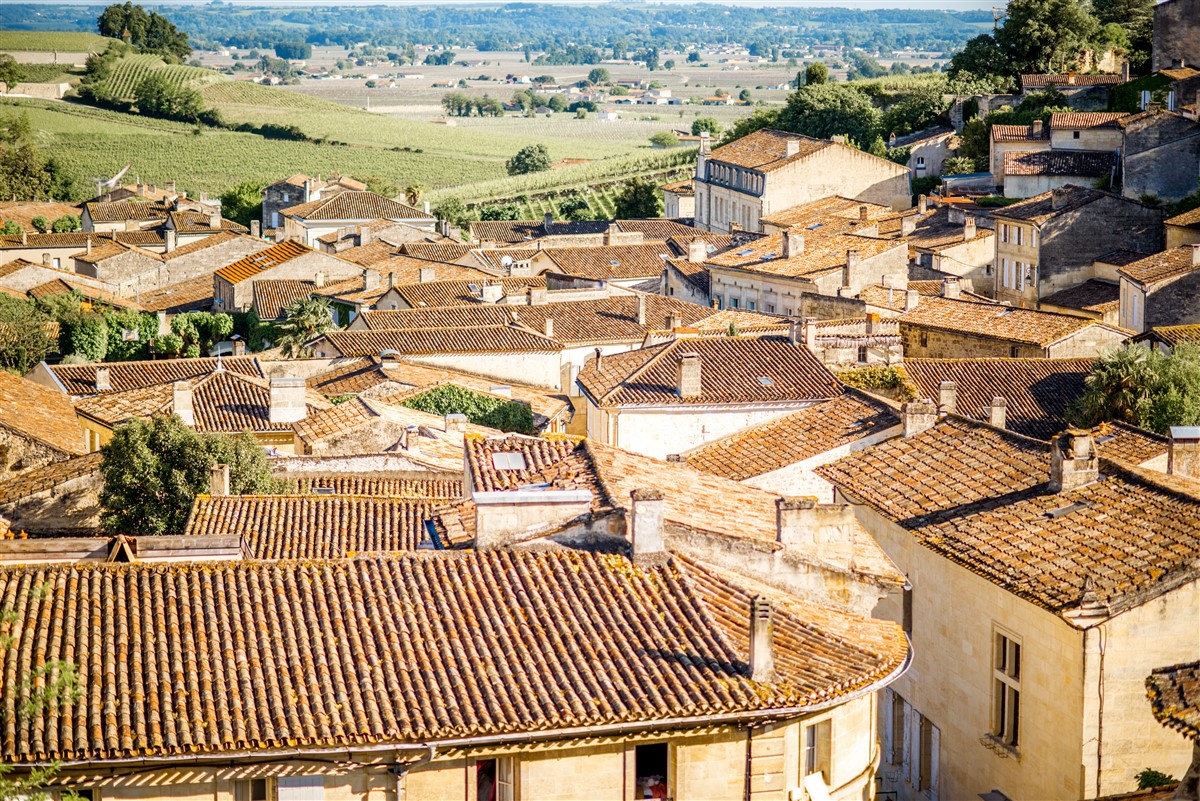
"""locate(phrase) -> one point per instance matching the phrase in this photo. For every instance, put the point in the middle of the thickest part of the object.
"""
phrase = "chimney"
(872, 322)
(674, 321)
(853, 258)
(308, 189)
(688, 383)
(863, 214)
(371, 280)
(1059, 198)
(1038, 128)
(705, 143)
(1196, 255)
(1124, 72)
(908, 225)
(956, 216)
(762, 640)
(922, 204)
(547, 221)
(947, 396)
(538, 295)
(697, 250)
(951, 288)
(103, 379)
(548, 327)
(170, 187)
(1071, 77)
(1073, 460)
(319, 280)
(492, 293)
(1177, 63)
(824, 530)
(646, 511)
(917, 416)
(610, 232)
(599, 358)
(218, 480)
(912, 299)
(87, 246)
(793, 147)
(365, 235)
(455, 422)
(1183, 453)
(838, 139)
(796, 331)
(289, 402)
(181, 402)
(998, 412)
(239, 346)
(427, 274)
(170, 235)
(214, 220)
(641, 310)
(968, 228)
(425, 207)
(25, 237)
(793, 244)
(412, 439)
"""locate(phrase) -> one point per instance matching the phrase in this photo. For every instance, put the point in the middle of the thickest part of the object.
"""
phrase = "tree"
(702, 124)
(575, 208)
(974, 143)
(154, 469)
(10, 228)
(693, 57)
(531, 158)
(669, 64)
(915, 111)
(815, 74)
(1136, 18)
(500, 211)
(598, 75)
(826, 110)
(744, 95)
(23, 173)
(148, 32)
(637, 200)
(453, 211)
(156, 96)
(664, 139)
(24, 337)
(242, 203)
(40, 224)
(412, 193)
(863, 65)
(11, 73)
(1040, 36)
(67, 224)
(303, 320)
(958, 165)
(1143, 387)
(759, 119)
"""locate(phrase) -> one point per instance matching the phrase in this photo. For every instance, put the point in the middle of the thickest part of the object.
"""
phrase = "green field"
(132, 70)
(65, 41)
(46, 73)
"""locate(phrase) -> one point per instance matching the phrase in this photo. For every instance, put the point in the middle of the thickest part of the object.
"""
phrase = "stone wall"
(927, 343)
(1176, 33)
(1162, 156)
(1174, 302)
(18, 452)
(71, 507)
(1071, 242)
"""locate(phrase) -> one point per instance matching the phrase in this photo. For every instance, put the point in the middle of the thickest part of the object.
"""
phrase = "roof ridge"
(654, 359)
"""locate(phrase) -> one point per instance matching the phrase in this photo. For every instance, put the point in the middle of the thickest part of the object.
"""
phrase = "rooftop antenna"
(996, 17)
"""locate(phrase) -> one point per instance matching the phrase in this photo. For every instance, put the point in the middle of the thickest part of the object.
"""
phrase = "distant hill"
(62, 41)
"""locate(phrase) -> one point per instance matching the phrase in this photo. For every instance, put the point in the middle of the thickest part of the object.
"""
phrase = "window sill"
(999, 747)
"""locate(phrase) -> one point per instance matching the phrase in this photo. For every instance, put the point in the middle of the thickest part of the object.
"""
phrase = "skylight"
(508, 461)
(765, 381)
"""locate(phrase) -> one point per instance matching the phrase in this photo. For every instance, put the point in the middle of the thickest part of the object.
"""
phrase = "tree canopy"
(149, 32)
(1142, 387)
(826, 110)
(531, 158)
(637, 200)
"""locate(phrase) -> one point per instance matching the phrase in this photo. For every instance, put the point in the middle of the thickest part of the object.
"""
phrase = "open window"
(651, 771)
(494, 779)
(818, 747)
(252, 790)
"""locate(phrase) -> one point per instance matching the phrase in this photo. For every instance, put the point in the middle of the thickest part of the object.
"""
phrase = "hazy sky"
(953, 5)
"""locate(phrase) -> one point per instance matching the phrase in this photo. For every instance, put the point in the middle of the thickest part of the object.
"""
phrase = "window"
(924, 339)
(251, 790)
(494, 779)
(733, 303)
(920, 162)
(1074, 134)
(1033, 237)
(1006, 689)
(769, 307)
(862, 354)
(751, 305)
(651, 774)
(1004, 232)
(1014, 352)
(894, 727)
(906, 617)
(818, 743)
(1020, 236)
(86, 794)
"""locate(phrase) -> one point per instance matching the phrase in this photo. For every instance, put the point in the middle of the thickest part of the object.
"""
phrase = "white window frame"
(1007, 655)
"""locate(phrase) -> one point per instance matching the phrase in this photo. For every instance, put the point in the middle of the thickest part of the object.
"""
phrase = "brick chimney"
(1183, 454)
(218, 481)
(793, 244)
(181, 402)
(792, 147)
(697, 250)
(762, 640)
(998, 412)
(455, 422)
(917, 416)
(951, 288)
(947, 396)
(1073, 460)
(912, 299)
(288, 400)
(103, 379)
(688, 383)
(646, 515)
(427, 274)
(864, 214)
(968, 228)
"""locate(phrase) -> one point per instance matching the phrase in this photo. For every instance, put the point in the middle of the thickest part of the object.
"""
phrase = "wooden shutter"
(935, 743)
(889, 699)
(906, 752)
(914, 738)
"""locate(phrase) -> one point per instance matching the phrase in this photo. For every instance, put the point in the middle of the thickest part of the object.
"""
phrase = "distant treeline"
(610, 28)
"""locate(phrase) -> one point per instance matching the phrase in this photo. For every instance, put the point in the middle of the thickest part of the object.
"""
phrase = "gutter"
(515, 738)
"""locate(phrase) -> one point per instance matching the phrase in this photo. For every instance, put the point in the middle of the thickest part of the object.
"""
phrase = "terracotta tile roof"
(1068, 80)
(695, 273)
(416, 341)
(271, 296)
(436, 251)
(542, 458)
(451, 667)
(370, 253)
(1037, 391)
(22, 212)
(1189, 219)
(994, 321)
(47, 477)
(732, 370)
(378, 486)
(1164, 793)
(60, 286)
(979, 496)
(1126, 443)
(818, 210)
(1071, 163)
(793, 438)
(256, 263)
(822, 254)
(355, 205)
(374, 226)
(80, 379)
(1019, 133)
(407, 270)
(194, 294)
(499, 260)
(108, 249)
(462, 293)
(207, 242)
(1085, 119)
(39, 413)
(683, 187)
(921, 136)
(934, 232)
(122, 210)
(1163, 266)
(1040, 208)
(195, 222)
(766, 150)
(660, 230)
(79, 239)
(1175, 697)
(1177, 334)
(1092, 295)
(312, 526)
(616, 262)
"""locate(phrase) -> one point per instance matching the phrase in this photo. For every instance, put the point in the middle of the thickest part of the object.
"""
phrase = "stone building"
(1161, 290)
(1096, 131)
(233, 284)
(1174, 693)
(1183, 229)
(300, 188)
(1161, 155)
(765, 172)
(1051, 242)
(1176, 34)
(308, 222)
(1030, 638)
(679, 199)
(1006, 139)
(37, 426)
(927, 149)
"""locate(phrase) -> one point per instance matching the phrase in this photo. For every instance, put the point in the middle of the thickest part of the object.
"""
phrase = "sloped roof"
(39, 413)
(264, 260)
(272, 295)
(766, 150)
(48, 476)
(374, 485)
(1064, 80)
(355, 205)
(1085, 119)
(194, 294)
(61, 286)
(122, 210)
(1019, 133)
(427, 671)
(196, 222)
(1092, 295)
(818, 210)
(994, 321)
(615, 262)
(460, 292)
(436, 251)
(416, 341)
(1177, 334)
(1189, 219)
(1040, 208)
(822, 254)
(80, 379)
(1163, 266)
(1174, 693)
(1060, 163)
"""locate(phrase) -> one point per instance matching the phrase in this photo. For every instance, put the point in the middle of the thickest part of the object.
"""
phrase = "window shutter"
(935, 742)
(301, 788)
(906, 761)
(914, 737)
(889, 699)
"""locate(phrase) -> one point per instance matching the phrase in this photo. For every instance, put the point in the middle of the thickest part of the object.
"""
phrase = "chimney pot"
(863, 214)
(218, 482)
(1073, 460)
(646, 516)
(951, 288)
(947, 396)
(793, 244)
(689, 383)
(456, 422)
(181, 402)
(998, 412)
(674, 321)
(762, 640)
(103, 379)
(1183, 452)
(705, 143)
(917, 416)
(289, 401)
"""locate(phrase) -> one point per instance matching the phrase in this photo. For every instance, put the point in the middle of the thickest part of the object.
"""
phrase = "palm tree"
(1119, 387)
(304, 320)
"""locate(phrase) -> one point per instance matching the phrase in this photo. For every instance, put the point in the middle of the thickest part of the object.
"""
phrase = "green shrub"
(480, 409)
(886, 380)
(86, 335)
